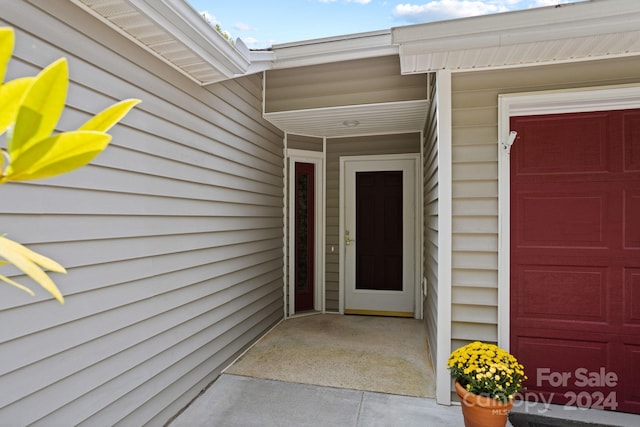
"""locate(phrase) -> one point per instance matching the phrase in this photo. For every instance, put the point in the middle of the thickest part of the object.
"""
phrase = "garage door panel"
(631, 141)
(631, 298)
(560, 219)
(545, 291)
(575, 249)
(560, 358)
(632, 376)
(631, 218)
(544, 147)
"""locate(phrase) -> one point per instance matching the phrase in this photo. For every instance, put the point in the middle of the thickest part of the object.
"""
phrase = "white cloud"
(209, 18)
(243, 27)
(438, 10)
(213, 21)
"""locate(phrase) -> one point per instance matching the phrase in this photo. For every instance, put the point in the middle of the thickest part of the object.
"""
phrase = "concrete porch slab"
(368, 353)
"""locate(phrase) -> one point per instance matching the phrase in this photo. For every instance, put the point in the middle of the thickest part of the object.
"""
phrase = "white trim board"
(416, 157)
(445, 235)
(603, 98)
(317, 158)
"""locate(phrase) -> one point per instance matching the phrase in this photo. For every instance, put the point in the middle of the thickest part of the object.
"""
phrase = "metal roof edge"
(334, 49)
(570, 16)
(187, 28)
(592, 29)
(332, 39)
(261, 60)
(183, 21)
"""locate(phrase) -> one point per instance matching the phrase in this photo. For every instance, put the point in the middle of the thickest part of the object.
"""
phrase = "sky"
(262, 23)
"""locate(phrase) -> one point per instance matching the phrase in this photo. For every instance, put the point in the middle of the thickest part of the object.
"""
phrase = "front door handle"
(347, 238)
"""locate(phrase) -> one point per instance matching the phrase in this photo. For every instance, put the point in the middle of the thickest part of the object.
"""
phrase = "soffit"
(355, 120)
(572, 32)
(174, 32)
(347, 98)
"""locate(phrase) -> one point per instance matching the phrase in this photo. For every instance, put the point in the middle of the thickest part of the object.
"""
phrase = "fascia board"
(334, 49)
(302, 61)
(186, 25)
(260, 61)
(374, 36)
(582, 28)
(567, 20)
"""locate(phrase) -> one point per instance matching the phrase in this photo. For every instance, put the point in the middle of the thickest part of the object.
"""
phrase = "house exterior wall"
(475, 178)
(172, 237)
(354, 146)
(430, 221)
(308, 143)
(363, 81)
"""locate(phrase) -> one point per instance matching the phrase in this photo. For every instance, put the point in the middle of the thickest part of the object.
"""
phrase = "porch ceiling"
(174, 32)
(354, 120)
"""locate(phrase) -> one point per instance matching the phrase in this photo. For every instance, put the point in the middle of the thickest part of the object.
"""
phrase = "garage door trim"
(619, 97)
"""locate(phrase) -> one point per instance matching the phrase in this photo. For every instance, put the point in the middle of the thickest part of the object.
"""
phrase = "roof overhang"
(354, 120)
(323, 51)
(174, 32)
(349, 120)
(593, 29)
(346, 120)
(333, 49)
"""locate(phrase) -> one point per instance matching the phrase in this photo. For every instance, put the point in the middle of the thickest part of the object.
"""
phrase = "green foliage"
(30, 108)
(219, 29)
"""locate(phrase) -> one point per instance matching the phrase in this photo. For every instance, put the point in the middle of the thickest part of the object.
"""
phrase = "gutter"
(175, 33)
(334, 49)
(550, 23)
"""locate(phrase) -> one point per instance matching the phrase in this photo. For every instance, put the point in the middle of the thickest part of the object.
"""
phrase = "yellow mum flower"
(484, 368)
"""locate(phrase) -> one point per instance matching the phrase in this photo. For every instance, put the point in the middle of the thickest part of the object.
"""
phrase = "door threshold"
(382, 313)
(304, 314)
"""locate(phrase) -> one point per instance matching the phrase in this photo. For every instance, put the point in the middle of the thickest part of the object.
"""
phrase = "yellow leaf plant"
(30, 108)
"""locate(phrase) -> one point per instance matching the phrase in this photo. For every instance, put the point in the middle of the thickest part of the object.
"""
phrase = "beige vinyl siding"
(475, 178)
(308, 143)
(363, 81)
(172, 237)
(355, 146)
(430, 220)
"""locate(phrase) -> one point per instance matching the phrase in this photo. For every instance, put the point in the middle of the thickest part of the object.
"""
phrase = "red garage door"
(575, 257)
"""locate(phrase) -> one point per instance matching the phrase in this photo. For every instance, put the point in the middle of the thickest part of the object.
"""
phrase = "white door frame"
(316, 158)
(417, 226)
(603, 98)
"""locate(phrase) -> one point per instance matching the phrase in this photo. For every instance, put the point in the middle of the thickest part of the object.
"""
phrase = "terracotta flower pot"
(482, 411)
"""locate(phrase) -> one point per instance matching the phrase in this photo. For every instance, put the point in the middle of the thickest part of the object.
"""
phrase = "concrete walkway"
(245, 402)
(238, 401)
(240, 397)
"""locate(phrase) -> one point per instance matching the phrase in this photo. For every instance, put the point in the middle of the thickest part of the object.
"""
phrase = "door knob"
(347, 238)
